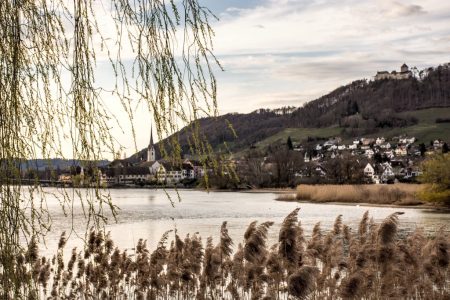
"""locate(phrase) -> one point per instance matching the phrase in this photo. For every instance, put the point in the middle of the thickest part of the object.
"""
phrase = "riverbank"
(396, 195)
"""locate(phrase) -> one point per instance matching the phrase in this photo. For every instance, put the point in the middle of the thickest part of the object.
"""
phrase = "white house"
(367, 141)
(389, 154)
(169, 173)
(188, 170)
(317, 157)
(333, 147)
(320, 171)
(387, 173)
(401, 151)
(306, 157)
(133, 175)
(380, 140)
(385, 146)
(407, 141)
(438, 144)
(369, 153)
(369, 171)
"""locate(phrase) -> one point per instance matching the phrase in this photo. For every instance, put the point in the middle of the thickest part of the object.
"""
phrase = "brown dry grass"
(398, 194)
(371, 261)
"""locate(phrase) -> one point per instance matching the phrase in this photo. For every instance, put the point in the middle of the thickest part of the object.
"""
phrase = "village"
(363, 160)
(368, 160)
(149, 171)
(386, 161)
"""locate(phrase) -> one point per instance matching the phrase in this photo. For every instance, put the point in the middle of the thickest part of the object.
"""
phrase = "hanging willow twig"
(49, 98)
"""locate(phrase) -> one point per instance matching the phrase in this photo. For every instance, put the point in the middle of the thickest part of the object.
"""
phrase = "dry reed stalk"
(372, 263)
(401, 194)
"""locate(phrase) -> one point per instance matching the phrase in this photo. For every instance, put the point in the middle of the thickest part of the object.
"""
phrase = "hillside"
(360, 108)
(425, 130)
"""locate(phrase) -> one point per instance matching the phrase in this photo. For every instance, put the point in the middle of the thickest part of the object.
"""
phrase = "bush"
(436, 176)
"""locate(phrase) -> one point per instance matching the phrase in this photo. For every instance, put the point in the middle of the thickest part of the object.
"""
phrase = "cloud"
(310, 47)
(397, 9)
(287, 52)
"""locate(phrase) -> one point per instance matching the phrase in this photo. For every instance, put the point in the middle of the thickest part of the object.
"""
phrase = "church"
(152, 170)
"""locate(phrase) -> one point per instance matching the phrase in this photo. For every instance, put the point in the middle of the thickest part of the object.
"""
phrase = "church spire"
(151, 148)
(151, 135)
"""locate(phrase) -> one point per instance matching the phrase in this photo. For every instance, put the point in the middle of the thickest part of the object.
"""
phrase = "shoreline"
(365, 204)
(289, 191)
(284, 191)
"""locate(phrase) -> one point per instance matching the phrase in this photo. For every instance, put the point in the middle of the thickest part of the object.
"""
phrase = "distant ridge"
(56, 163)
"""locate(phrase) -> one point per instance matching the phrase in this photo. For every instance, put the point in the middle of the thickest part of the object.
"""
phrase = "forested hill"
(370, 98)
(360, 107)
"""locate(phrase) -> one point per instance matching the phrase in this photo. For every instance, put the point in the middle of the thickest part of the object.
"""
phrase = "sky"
(288, 52)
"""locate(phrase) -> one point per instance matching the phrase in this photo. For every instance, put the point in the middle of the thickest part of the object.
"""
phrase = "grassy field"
(299, 134)
(426, 130)
(396, 194)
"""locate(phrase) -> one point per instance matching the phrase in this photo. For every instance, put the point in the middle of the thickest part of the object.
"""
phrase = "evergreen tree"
(289, 144)
(378, 158)
(422, 149)
(444, 148)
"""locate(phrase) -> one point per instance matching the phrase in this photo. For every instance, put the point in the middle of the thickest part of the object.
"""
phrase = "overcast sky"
(287, 52)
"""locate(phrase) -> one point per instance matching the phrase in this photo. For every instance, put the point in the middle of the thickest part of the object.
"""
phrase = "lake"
(147, 214)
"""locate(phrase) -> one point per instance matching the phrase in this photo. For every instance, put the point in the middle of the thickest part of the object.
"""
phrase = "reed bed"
(399, 194)
(370, 262)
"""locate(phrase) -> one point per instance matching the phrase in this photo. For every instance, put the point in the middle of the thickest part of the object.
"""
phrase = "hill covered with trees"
(359, 108)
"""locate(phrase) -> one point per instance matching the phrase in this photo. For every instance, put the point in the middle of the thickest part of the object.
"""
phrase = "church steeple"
(151, 136)
(151, 149)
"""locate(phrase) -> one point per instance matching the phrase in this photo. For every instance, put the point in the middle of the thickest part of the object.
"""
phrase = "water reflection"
(149, 214)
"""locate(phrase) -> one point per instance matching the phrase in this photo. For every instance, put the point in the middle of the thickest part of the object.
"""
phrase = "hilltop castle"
(404, 73)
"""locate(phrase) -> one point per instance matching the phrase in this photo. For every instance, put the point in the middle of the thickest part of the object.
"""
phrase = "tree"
(422, 149)
(253, 171)
(285, 164)
(378, 158)
(43, 43)
(436, 176)
(445, 148)
(345, 169)
(289, 143)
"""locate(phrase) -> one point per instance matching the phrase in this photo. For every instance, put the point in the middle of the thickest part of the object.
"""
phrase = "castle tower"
(151, 148)
(404, 68)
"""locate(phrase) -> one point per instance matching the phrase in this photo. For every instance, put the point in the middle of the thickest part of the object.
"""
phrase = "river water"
(147, 214)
